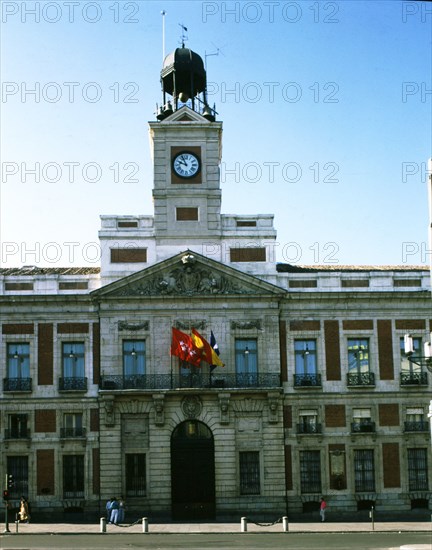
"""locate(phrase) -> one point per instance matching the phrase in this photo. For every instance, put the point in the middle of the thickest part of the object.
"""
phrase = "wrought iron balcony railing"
(17, 384)
(74, 383)
(419, 426)
(413, 378)
(361, 379)
(365, 426)
(309, 428)
(307, 380)
(192, 380)
(66, 433)
(23, 433)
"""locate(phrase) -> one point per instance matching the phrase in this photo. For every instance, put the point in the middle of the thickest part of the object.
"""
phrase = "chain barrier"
(279, 520)
(128, 525)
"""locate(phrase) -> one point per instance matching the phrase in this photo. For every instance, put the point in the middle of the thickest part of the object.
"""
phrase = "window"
(364, 470)
(417, 470)
(306, 363)
(73, 359)
(133, 357)
(73, 476)
(18, 360)
(308, 422)
(358, 362)
(135, 474)
(310, 472)
(411, 373)
(415, 420)
(362, 421)
(246, 362)
(17, 427)
(73, 425)
(17, 467)
(249, 473)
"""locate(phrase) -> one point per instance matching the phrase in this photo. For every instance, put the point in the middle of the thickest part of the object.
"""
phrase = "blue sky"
(326, 109)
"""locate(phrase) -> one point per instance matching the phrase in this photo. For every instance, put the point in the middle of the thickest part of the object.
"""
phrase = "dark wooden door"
(192, 472)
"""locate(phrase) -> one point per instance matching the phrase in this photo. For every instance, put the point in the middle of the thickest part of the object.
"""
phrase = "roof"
(289, 268)
(33, 270)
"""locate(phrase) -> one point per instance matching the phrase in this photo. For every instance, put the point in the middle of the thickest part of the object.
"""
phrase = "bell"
(160, 113)
(168, 110)
(183, 96)
(208, 114)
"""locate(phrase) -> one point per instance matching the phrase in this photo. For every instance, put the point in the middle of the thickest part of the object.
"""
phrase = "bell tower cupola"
(184, 81)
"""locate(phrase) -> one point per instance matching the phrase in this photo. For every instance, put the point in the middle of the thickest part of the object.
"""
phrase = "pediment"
(185, 114)
(188, 274)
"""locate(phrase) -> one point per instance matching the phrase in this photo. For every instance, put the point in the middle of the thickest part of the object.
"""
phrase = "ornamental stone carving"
(224, 399)
(273, 406)
(247, 325)
(187, 325)
(159, 408)
(191, 406)
(109, 412)
(187, 280)
(124, 325)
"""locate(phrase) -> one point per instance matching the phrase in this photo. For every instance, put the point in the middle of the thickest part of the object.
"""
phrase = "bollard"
(103, 525)
(145, 525)
(243, 525)
(16, 526)
(285, 525)
(371, 515)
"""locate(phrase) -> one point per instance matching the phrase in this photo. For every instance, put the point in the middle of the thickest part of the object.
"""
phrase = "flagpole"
(163, 13)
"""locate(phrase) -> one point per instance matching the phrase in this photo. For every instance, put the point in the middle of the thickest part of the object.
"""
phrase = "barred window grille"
(136, 474)
(417, 470)
(364, 470)
(17, 467)
(249, 473)
(310, 472)
(73, 476)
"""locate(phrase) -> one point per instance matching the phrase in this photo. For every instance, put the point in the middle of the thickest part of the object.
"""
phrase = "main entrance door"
(192, 471)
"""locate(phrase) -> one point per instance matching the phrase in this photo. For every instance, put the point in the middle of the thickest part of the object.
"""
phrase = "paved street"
(182, 536)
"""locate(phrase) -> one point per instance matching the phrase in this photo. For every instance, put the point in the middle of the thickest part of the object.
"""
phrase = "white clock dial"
(186, 165)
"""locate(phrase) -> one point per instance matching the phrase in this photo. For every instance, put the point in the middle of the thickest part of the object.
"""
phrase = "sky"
(326, 111)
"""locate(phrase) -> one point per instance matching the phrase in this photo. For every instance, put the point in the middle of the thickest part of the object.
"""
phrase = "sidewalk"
(155, 528)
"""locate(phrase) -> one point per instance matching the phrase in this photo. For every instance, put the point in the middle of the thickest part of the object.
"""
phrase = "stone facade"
(315, 398)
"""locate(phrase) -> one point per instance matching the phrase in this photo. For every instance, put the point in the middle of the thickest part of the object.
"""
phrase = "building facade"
(317, 396)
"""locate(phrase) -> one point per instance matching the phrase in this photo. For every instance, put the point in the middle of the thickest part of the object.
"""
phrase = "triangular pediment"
(185, 114)
(188, 274)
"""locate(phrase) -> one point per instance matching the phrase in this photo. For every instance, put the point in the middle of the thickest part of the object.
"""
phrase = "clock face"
(186, 165)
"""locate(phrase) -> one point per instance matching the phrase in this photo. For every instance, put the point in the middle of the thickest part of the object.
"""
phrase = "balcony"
(73, 384)
(307, 380)
(413, 379)
(360, 379)
(363, 426)
(312, 428)
(191, 380)
(71, 433)
(17, 384)
(22, 433)
(419, 426)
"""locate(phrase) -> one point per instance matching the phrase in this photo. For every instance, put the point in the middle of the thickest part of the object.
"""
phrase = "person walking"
(323, 506)
(23, 513)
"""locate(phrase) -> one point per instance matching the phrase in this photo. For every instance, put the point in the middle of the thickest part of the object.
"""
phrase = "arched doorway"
(192, 471)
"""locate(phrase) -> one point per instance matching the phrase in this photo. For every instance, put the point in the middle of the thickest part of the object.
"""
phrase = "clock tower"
(186, 150)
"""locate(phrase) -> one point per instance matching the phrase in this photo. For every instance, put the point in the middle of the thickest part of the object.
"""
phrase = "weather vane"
(183, 37)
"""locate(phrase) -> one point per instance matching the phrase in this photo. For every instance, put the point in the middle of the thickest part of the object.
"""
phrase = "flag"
(184, 348)
(216, 362)
(202, 344)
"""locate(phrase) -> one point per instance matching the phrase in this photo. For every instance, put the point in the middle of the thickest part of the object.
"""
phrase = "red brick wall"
(45, 468)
